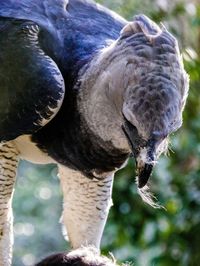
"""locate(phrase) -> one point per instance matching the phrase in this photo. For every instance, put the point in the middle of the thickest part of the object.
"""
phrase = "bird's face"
(145, 151)
(152, 110)
(155, 94)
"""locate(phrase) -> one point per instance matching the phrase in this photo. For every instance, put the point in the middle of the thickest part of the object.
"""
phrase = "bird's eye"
(135, 141)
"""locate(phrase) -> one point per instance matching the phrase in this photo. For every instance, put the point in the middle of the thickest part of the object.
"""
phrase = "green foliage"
(37, 209)
(134, 232)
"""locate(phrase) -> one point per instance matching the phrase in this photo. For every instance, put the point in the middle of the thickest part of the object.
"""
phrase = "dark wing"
(31, 85)
(38, 39)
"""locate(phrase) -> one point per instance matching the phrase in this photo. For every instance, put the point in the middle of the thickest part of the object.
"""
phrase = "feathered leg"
(86, 206)
(8, 166)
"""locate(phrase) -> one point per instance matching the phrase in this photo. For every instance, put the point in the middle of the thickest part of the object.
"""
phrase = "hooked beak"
(144, 164)
(143, 151)
(144, 175)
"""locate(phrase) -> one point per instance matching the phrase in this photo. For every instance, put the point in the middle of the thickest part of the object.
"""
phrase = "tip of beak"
(144, 175)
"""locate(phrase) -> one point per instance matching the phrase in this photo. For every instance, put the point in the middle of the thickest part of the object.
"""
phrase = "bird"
(85, 89)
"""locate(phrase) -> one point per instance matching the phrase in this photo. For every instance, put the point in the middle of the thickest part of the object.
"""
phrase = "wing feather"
(31, 85)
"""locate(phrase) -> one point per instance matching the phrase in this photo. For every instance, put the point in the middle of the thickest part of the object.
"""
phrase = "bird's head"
(137, 84)
(155, 92)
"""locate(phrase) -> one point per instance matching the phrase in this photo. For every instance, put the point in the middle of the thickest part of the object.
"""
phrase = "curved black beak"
(144, 173)
(143, 152)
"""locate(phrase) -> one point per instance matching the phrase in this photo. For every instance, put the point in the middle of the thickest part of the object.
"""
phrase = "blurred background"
(134, 232)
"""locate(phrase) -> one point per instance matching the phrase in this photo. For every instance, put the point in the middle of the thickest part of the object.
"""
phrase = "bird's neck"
(86, 134)
(100, 99)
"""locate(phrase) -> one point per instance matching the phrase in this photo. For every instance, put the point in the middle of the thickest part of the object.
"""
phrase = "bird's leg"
(86, 206)
(8, 166)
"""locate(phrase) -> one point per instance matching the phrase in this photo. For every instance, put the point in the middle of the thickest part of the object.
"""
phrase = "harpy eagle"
(83, 88)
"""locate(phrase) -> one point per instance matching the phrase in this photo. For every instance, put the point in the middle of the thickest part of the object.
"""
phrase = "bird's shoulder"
(42, 43)
(71, 31)
(77, 15)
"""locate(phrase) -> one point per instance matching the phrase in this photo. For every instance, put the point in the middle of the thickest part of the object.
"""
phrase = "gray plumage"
(146, 86)
(157, 96)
